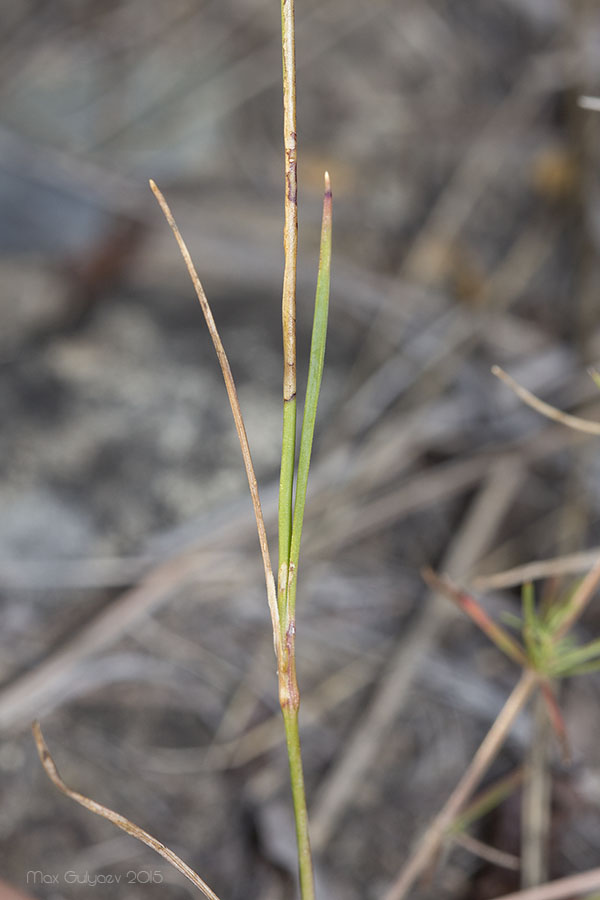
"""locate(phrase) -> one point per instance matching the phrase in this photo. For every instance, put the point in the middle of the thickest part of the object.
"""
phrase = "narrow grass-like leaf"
(530, 619)
(286, 503)
(313, 388)
(528, 602)
(584, 669)
(566, 661)
(511, 620)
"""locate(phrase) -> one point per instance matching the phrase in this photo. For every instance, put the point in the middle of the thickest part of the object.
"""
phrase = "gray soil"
(133, 620)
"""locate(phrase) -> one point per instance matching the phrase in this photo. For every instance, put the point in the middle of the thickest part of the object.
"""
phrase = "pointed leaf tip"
(156, 191)
(595, 375)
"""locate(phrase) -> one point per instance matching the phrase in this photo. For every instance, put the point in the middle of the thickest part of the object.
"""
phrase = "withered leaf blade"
(114, 817)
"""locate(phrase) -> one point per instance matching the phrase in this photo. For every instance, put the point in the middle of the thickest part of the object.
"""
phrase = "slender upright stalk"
(284, 631)
(290, 518)
(288, 687)
(290, 245)
(289, 696)
(292, 737)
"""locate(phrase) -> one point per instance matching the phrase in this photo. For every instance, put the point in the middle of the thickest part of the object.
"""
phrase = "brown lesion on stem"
(291, 175)
(289, 694)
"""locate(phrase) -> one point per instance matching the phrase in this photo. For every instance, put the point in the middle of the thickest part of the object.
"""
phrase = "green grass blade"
(313, 387)
(286, 494)
(487, 801)
(528, 604)
(529, 618)
(570, 659)
(584, 669)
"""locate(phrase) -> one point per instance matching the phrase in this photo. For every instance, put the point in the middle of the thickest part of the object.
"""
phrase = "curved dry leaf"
(114, 817)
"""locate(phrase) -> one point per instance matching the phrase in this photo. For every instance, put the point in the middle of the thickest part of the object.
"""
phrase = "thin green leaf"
(565, 661)
(487, 800)
(530, 619)
(313, 388)
(561, 609)
(528, 604)
(582, 670)
(286, 494)
(511, 620)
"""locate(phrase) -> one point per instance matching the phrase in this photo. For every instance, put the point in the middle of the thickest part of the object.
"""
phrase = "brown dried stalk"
(571, 886)
(117, 819)
(550, 412)
(290, 234)
(579, 601)
(237, 415)
(490, 854)
(288, 306)
(571, 564)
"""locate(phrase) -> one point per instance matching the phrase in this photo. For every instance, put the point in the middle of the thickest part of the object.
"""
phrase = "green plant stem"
(286, 503)
(289, 696)
(292, 736)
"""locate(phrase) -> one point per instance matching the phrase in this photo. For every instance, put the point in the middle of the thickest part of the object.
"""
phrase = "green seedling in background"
(547, 648)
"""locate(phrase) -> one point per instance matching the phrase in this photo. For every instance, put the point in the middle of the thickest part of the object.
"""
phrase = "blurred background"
(133, 617)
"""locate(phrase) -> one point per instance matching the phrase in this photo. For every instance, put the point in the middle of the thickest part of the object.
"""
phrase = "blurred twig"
(562, 888)
(550, 412)
(571, 564)
(537, 789)
(434, 836)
